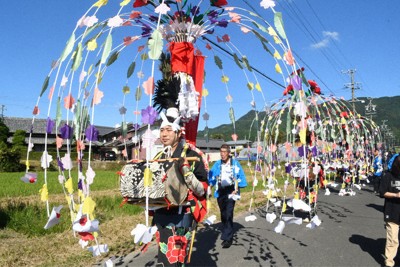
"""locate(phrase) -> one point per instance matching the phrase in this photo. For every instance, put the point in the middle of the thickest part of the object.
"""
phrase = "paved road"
(351, 234)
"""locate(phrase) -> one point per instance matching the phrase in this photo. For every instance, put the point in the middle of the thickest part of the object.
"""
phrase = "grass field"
(24, 241)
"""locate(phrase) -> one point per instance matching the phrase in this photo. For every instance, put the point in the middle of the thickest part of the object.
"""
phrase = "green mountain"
(387, 112)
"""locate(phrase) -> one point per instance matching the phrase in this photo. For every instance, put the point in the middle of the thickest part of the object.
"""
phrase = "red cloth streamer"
(182, 57)
(198, 78)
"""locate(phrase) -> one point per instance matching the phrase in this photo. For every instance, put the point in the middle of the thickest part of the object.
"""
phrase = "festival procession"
(167, 61)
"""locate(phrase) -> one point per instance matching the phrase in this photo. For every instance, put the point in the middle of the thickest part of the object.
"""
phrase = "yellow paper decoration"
(343, 121)
(204, 92)
(343, 185)
(68, 198)
(277, 40)
(284, 207)
(258, 87)
(27, 164)
(311, 197)
(100, 3)
(296, 195)
(44, 193)
(80, 194)
(88, 207)
(124, 2)
(69, 186)
(225, 79)
(92, 45)
(148, 177)
(302, 134)
(278, 68)
(277, 55)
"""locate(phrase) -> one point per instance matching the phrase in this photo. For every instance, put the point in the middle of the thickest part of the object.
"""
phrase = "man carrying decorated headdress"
(185, 180)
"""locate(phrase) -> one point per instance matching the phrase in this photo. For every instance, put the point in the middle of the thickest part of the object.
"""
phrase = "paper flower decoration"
(35, 110)
(122, 110)
(250, 218)
(29, 177)
(270, 217)
(143, 233)
(91, 133)
(210, 220)
(54, 217)
(66, 162)
(140, 3)
(49, 125)
(45, 160)
(115, 21)
(97, 96)
(90, 174)
(66, 132)
(149, 115)
(267, 4)
(84, 225)
(97, 250)
(279, 228)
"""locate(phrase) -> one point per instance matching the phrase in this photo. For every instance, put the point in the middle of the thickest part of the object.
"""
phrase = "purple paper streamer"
(66, 132)
(91, 133)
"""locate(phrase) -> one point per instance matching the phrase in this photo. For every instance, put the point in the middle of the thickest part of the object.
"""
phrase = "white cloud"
(328, 36)
(331, 35)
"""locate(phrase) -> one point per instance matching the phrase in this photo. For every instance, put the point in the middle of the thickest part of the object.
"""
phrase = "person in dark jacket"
(390, 190)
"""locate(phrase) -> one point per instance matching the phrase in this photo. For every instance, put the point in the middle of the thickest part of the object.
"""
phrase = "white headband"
(171, 112)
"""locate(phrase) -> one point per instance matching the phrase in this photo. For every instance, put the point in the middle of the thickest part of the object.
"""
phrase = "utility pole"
(370, 109)
(353, 86)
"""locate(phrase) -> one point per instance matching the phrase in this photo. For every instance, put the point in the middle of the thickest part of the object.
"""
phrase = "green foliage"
(10, 160)
(4, 132)
(246, 126)
(30, 219)
(19, 139)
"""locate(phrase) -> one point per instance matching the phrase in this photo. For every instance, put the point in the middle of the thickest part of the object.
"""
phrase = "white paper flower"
(267, 4)
(90, 174)
(210, 220)
(45, 160)
(270, 217)
(162, 9)
(67, 162)
(83, 243)
(54, 217)
(97, 250)
(30, 146)
(279, 228)
(115, 21)
(29, 177)
(143, 234)
(250, 218)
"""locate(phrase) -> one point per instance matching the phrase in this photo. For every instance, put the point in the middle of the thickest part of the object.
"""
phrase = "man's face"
(168, 136)
(224, 154)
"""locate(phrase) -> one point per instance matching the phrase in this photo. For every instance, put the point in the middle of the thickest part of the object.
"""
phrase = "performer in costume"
(176, 223)
(390, 189)
(228, 177)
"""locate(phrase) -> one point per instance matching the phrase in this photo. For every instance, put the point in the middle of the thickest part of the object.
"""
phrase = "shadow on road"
(375, 247)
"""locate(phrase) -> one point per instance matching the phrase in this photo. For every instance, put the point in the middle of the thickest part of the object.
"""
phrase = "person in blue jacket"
(378, 169)
(228, 177)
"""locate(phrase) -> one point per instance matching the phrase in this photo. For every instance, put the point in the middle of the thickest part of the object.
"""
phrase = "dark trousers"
(226, 207)
(377, 181)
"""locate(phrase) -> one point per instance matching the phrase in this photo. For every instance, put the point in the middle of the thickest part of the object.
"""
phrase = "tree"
(217, 136)
(18, 140)
(4, 132)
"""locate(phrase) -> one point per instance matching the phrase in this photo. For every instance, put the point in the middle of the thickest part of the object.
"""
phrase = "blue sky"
(327, 37)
